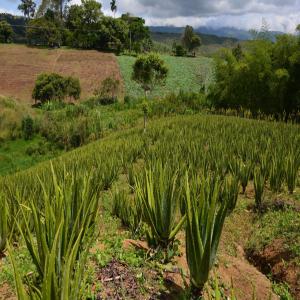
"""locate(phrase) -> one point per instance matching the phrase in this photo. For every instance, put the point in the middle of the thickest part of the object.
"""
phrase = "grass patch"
(283, 225)
(14, 155)
(185, 73)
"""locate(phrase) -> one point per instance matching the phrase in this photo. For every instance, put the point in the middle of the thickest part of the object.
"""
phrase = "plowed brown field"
(20, 66)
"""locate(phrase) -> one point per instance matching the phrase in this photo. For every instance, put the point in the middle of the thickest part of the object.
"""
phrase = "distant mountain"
(227, 32)
(167, 34)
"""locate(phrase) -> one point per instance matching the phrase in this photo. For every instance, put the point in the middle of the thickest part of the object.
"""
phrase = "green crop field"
(184, 74)
(90, 206)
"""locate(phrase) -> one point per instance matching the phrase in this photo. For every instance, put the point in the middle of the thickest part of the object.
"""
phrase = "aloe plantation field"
(200, 205)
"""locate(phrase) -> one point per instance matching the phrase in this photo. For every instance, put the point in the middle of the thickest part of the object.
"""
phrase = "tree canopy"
(265, 76)
(190, 39)
(149, 70)
(6, 32)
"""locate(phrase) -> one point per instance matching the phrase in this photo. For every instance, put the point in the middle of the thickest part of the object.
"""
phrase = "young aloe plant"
(158, 197)
(244, 174)
(230, 192)
(205, 220)
(291, 171)
(276, 174)
(259, 185)
(125, 209)
(3, 223)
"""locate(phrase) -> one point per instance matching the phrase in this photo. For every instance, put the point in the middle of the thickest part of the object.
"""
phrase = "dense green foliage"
(44, 31)
(149, 70)
(265, 77)
(55, 87)
(28, 8)
(85, 26)
(6, 32)
(190, 40)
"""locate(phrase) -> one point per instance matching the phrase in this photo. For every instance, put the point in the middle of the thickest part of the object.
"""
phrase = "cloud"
(283, 15)
(280, 14)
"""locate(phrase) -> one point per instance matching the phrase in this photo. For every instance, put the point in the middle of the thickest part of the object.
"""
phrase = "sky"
(281, 15)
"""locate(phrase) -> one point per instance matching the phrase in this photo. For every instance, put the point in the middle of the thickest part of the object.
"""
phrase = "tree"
(57, 5)
(6, 32)
(139, 34)
(190, 40)
(149, 70)
(28, 8)
(266, 77)
(42, 31)
(55, 87)
(113, 6)
(84, 23)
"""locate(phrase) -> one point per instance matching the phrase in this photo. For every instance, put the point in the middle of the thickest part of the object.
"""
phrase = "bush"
(108, 91)
(27, 128)
(178, 50)
(53, 86)
(6, 32)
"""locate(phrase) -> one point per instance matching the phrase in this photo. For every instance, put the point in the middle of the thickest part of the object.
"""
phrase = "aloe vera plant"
(126, 209)
(276, 174)
(230, 192)
(205, 220)
(159, 200)
(59, 235)
(291, 171)
(244, 174)
(259, 185)
(3, 223)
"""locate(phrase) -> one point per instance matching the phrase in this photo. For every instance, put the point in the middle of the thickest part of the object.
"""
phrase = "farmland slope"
(20, 66)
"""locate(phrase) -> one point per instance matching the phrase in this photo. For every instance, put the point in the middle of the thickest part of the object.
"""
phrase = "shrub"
(27, 128)
(178, 50)
(108, 91)
(6, 32)
(55, 87)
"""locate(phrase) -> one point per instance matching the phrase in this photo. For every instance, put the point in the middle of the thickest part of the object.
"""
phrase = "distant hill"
(17, 23)
(227, 32)
(207, 39)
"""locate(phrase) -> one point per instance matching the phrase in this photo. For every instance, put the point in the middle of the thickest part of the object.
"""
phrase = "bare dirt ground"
(20, 66)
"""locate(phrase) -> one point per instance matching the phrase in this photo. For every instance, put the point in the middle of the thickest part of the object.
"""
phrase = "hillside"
(213, 33)
(20, 66)
(118, 248)
(161, 34)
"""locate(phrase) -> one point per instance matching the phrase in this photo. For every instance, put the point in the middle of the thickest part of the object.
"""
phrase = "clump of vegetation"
(190, 40)
(27, 127)
(108, 92)
(261, 77)
(55, 87)
(149, 70)
(158, 197)
(205, 220)
(6, 32)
